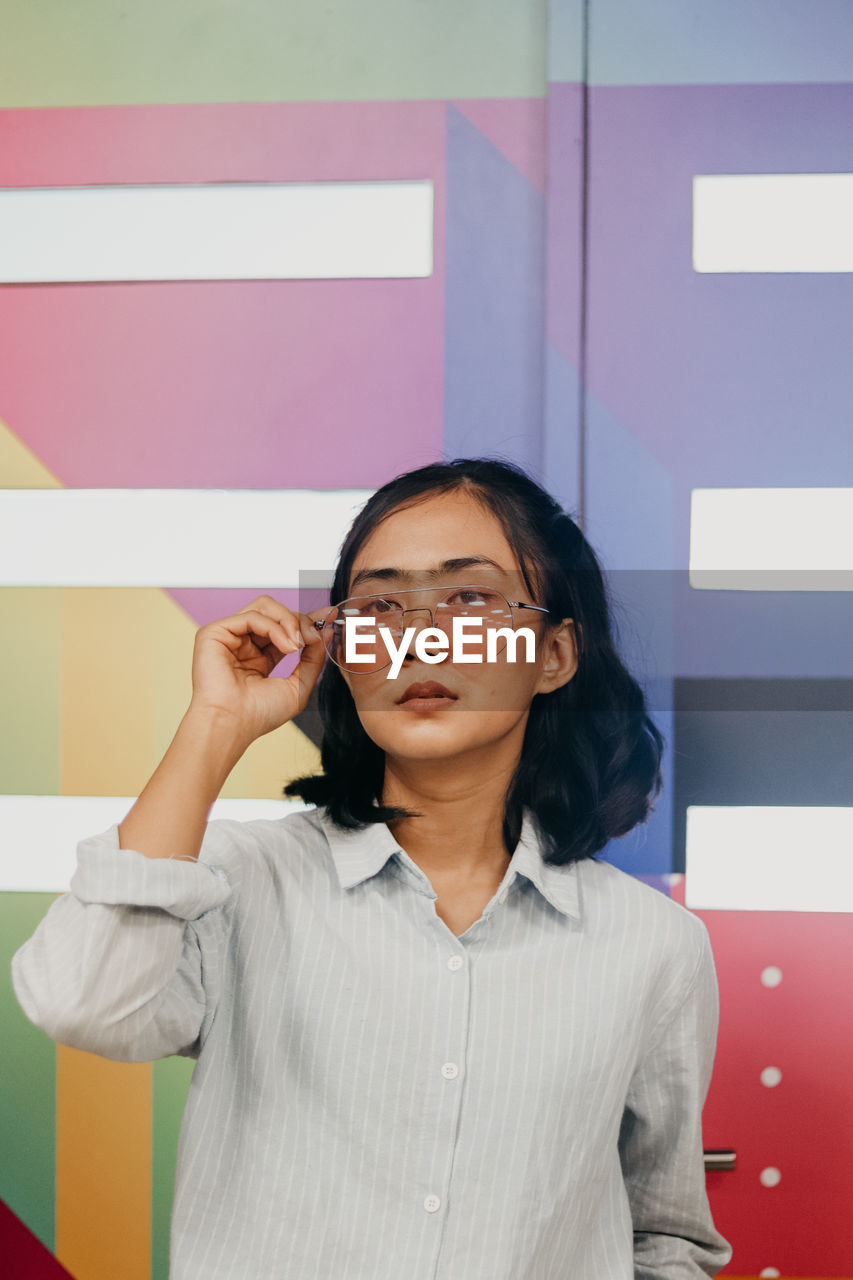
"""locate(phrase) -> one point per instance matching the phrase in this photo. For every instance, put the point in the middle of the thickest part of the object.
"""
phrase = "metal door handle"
(719, 1160)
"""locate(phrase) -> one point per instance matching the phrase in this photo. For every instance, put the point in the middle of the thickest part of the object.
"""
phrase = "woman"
(436, 1037)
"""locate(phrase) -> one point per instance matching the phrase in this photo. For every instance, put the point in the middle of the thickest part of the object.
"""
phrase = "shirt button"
(455, 962)
(431, 1203)
(450, 1070)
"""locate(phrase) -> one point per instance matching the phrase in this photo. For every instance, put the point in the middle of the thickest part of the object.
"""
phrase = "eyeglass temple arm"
(520, 604)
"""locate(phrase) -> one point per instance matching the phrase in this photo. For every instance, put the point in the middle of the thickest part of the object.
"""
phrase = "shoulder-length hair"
(589, 768)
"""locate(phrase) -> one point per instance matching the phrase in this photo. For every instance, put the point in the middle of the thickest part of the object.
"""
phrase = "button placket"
(450, 1103)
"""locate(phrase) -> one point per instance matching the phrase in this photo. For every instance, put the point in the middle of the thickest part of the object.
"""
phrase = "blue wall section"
(720, 41)
(629, 524)
(493, 390)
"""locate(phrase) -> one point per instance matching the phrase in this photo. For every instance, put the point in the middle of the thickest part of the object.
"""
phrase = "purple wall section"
(713, 380)
(709, 370)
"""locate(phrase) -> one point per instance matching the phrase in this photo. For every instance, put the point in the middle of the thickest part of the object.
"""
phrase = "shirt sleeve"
(660, 1140)
(128, 963)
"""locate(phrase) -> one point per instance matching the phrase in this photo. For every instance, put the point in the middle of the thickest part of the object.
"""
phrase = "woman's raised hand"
(233, 658)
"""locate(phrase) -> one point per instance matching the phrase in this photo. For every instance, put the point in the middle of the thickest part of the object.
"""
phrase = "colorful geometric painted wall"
(562, 325)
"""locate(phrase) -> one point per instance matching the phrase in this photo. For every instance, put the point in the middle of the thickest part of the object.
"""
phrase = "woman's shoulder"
(652, 933)
(625, 901)
(264, 844)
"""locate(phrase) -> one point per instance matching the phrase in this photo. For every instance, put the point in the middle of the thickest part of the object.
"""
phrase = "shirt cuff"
(183, 886)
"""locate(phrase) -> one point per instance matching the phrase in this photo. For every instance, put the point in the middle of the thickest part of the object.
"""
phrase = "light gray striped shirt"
(376, 1098)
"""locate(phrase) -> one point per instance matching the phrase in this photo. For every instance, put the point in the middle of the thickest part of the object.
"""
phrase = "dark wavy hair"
(589, 768)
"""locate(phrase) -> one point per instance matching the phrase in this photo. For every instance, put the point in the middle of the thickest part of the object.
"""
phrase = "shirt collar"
(360, 854)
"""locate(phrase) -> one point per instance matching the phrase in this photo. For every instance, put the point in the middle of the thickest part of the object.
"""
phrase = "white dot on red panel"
(771, 976)
(770, 1177)
(771, 1076)
(770, 1271)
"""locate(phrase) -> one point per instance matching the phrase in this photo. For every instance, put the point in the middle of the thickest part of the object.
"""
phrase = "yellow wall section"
(103, 1166)
(19, 466)
(126, 683)
(126, 656)
(30, 681)
(29, 655)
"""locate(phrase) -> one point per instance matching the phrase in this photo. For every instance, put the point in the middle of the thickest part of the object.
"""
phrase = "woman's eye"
(468, 597)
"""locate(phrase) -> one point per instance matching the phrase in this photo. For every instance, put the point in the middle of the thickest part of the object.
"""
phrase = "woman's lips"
(426, 696)
(426, 704)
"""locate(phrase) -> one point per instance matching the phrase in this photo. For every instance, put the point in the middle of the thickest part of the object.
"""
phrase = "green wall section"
(170, 1086)
(31, 648)
(28, 1103)
(98, 53)
(27, 1084)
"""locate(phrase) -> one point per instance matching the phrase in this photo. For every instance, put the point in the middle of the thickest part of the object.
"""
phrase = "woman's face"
(492, 698)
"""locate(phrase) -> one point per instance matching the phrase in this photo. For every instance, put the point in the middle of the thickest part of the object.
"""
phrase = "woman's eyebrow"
(446, 566)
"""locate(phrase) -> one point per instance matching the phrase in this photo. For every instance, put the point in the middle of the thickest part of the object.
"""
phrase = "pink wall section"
(241, 383)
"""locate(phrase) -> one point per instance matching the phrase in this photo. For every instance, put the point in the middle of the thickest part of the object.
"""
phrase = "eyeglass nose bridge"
(418, 608)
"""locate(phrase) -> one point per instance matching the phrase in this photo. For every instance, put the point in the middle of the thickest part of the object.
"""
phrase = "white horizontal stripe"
(771, 539)
(766, 858)
(217, 231)
(773, 222)
(40, 833)
(173, 537)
